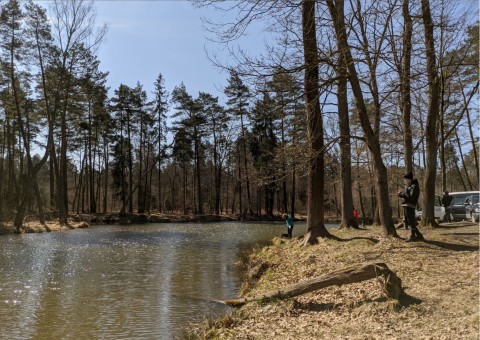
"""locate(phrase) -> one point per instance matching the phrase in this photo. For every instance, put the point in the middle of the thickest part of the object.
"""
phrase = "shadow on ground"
(405, 301)
(452, 246)
(408, 300)
(374, 240)
(452, 225)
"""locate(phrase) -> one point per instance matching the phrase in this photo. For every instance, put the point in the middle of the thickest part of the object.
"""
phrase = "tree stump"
(392, 285)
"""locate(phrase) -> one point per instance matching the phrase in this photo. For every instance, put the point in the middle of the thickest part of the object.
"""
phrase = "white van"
(439, 211)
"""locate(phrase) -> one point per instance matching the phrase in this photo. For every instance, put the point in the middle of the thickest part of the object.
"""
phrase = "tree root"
(392, 285)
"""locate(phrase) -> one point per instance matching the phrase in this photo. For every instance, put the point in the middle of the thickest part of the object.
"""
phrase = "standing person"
(409, 203)
(355, 215)
(289, 221)
(446, 201)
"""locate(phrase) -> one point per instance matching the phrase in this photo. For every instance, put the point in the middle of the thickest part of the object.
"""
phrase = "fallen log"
(392, 285)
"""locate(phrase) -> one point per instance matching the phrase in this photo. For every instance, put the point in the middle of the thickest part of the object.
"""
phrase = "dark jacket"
(411, 194)
(447, 200)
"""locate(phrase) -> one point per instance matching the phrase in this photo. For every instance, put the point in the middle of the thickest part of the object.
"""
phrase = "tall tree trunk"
(2, 174)
(27, 187)
(284, 202)
(41, 212)
(62, 180)
(197, 171)
(185, 189)
(106, 176)
(462, 159)
(293, 196)
(472, 138)
(381, 185)
(316, 162)
(428, 215)
(442, 112)
(159, 186)
(130, 165)
(2, 213)
(62, 163)
(406, 102)
(91, 166)
(147, 181)
(294, 177)
(245, 164)
(217, 174)
(140, 188)
(239, 183)
(345, 148)
(12, 191)
(51, 173)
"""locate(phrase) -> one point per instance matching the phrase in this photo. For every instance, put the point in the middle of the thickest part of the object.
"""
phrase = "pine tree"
(160, 109)
(237, 105)
(191, 120)
(218, 129)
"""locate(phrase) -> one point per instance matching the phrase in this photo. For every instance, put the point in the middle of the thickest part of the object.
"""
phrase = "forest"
(348, 97)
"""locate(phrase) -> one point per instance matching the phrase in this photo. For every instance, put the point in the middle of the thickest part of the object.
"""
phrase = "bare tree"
(348, 219)
(74, 33)
(316, 161)
(336, 9)
(406, 102)
(428, 215)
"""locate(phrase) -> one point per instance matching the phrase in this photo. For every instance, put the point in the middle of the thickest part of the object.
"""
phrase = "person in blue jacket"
(289, 222)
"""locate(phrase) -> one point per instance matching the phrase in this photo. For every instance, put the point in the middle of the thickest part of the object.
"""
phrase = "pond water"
(122, 282)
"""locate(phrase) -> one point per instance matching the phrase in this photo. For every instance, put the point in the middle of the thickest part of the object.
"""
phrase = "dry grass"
(441, 276)
(35, 226)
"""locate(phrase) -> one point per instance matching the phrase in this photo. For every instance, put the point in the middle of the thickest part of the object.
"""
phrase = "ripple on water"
(115, 282)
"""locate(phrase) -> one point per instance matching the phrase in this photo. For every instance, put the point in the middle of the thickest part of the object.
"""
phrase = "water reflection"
(120, 282)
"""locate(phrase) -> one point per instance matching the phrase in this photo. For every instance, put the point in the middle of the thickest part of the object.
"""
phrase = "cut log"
(392, 285)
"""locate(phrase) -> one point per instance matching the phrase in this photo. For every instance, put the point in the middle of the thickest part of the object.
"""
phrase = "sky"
(146, 38)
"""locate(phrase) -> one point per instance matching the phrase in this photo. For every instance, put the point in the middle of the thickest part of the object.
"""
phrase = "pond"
(122, 282)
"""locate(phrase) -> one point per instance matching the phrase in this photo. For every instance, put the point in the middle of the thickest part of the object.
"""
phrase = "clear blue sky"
(146, 38)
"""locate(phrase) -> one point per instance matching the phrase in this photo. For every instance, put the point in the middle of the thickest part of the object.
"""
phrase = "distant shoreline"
(33, 225)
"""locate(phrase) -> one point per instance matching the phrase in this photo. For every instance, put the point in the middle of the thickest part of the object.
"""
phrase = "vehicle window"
(459, 199)
(476, 199)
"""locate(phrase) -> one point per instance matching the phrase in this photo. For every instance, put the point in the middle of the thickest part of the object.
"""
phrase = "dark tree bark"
(316, 163)
(462, 160)
(471, 134)
(406, 102)
(428, 215)
(30, 181)
(372, 141)
(345, 146)
(197, 143)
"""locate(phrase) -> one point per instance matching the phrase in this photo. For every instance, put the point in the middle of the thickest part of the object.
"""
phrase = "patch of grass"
(440, 277)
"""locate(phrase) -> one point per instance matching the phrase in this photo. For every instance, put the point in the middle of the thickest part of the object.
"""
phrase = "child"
(289, 222)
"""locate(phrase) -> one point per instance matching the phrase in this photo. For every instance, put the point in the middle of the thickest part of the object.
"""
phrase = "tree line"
(329, 119)
(399, 77)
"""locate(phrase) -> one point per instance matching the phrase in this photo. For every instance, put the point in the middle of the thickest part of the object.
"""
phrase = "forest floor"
(440, 277)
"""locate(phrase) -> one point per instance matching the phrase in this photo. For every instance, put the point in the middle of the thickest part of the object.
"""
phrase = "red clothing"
(355, 215)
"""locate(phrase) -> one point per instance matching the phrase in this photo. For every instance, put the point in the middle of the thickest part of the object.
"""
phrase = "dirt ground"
(440, 277)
